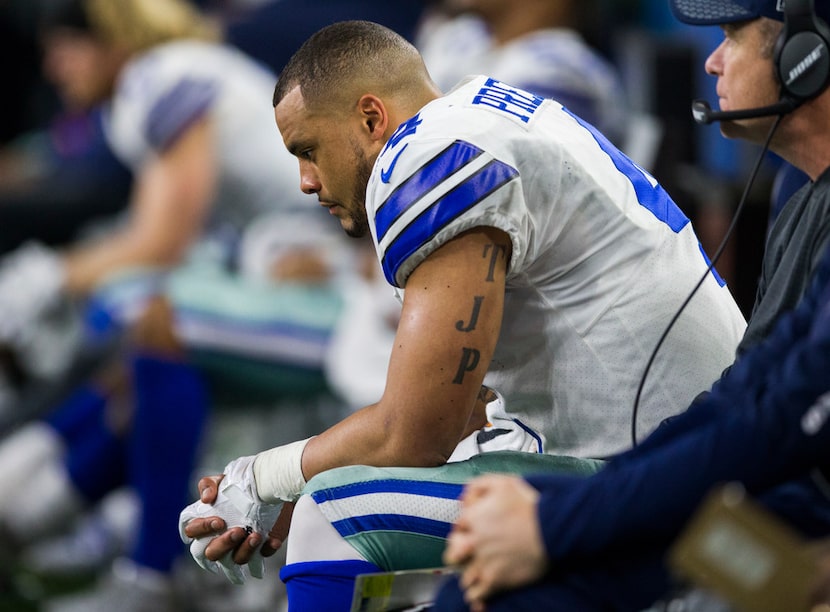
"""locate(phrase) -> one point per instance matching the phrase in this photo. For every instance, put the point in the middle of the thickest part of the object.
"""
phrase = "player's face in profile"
(333, 164)
(743, 66)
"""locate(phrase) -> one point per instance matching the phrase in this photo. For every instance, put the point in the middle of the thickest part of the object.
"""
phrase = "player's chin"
(354, 229)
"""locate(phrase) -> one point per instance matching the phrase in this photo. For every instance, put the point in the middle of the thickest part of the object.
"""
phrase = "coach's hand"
(497, 540)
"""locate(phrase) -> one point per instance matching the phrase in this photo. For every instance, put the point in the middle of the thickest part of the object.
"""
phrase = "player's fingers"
(283, 522)
(279, 532)
(208, 487)
(202, 527)
(245, 552)
(270, 546)
(223, 544)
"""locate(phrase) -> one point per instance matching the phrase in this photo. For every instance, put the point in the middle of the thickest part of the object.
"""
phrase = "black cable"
(712, 263)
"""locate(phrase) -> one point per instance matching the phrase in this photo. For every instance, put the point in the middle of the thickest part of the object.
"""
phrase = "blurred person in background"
(271, 30)
(58, 180)
(187, 278)
(538, 45)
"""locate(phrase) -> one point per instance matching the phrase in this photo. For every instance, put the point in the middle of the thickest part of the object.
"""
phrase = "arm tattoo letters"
(471, 356)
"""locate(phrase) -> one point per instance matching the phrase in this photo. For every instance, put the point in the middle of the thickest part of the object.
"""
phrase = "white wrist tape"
(279, 472)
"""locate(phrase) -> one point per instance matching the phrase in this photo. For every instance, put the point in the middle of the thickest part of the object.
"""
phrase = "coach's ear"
(374, 116)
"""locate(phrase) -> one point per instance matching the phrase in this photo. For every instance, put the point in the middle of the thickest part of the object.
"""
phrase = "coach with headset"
(557, 543)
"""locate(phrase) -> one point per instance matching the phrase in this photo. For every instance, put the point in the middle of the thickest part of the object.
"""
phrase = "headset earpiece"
(802, 52)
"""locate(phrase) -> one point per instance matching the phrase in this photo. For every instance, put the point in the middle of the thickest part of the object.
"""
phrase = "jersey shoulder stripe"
(427, 216)
(177, 109)
(422, 181)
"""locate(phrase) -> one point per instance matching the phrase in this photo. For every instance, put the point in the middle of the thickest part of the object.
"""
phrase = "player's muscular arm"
(449, 326)
(168, 206)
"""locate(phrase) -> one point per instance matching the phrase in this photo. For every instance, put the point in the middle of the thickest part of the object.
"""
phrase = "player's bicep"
(176, 188)
(450, 323)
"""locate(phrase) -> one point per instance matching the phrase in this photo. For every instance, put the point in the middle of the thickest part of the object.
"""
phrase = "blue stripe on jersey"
(183, 104)
(651, 196)
(717, 276)
(392, 522)
(442, 212)
(435, 171)
(442, 490)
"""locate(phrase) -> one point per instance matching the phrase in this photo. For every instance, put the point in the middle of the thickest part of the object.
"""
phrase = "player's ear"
(374, 116)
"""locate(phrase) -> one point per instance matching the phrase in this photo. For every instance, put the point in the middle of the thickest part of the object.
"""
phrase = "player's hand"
(496, 540)
(226, 540)
(31, 283)
(228, 526)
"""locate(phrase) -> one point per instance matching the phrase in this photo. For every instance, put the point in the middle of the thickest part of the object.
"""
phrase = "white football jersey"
(164, 90)
(602, 259)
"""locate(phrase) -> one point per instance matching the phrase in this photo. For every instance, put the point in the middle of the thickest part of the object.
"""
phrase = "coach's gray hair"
(770, 30)
(350, 53)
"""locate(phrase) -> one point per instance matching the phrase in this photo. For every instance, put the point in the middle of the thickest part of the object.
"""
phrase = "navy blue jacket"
(764, 424)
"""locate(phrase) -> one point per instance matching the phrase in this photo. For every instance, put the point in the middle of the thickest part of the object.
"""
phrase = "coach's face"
(746, 76)
(335, 162)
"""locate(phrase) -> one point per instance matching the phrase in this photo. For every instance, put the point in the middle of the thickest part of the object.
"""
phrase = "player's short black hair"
(338, 52)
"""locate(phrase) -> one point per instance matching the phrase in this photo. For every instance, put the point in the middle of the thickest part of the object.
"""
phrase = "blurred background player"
(61, 181)
(189, 272)
(537, 45)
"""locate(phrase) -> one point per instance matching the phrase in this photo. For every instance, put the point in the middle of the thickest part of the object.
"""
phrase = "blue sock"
(170, 414)
(95, 455)
(323, 585)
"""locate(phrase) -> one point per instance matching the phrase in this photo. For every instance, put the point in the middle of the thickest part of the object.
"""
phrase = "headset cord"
(712, 263)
